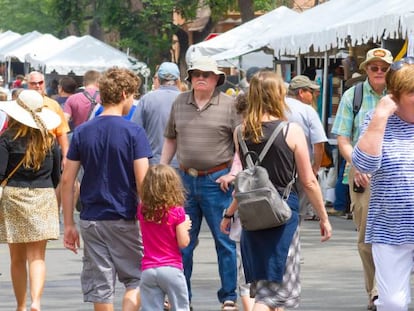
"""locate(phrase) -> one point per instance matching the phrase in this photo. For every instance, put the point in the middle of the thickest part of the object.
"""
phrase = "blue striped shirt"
(391, 207)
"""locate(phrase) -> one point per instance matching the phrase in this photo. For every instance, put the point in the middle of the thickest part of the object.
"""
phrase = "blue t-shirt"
(106, 148)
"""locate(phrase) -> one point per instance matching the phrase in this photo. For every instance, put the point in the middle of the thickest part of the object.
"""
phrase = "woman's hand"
(386, 107)
(326, 230)
(225, 225)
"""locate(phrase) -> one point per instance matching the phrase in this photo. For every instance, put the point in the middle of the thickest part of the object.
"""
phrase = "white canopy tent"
(88, 53)
(25, 40)
(8, 37)
(36, 58)
(236, 42)
(340, 20)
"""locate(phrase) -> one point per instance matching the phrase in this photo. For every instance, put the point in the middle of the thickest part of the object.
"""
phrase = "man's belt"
(195, 173)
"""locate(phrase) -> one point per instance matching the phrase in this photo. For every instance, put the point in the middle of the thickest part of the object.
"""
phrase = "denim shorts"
(112, 248)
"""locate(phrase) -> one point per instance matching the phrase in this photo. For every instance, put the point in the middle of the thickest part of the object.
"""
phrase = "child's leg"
(152, 296)
(244, 289)
(172, 281)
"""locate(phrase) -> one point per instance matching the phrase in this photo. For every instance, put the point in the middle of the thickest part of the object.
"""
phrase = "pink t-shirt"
(78, 106)
(160, 240)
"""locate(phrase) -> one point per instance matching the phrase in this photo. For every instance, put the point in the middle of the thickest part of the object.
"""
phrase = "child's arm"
(183, 236)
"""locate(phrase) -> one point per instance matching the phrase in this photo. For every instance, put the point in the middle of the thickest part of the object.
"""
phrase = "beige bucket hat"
(206, 64)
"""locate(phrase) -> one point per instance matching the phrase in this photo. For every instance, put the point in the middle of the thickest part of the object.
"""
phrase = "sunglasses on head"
(36, 83)
(377, 68)
(398, 65)
(204, 74)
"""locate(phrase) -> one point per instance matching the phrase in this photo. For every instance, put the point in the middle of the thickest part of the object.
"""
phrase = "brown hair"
(37, 146)
(162, 189)
(115, 82)
(3, 96)
(400, 81)
(266, 95)
(91, 77)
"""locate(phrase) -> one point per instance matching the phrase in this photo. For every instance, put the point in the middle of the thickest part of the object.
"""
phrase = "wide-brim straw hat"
(206, 64)
(28, 107)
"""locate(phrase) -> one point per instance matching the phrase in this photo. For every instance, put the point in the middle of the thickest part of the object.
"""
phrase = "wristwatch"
(227, 216)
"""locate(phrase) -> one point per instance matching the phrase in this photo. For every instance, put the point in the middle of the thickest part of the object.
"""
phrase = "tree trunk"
(246, 10)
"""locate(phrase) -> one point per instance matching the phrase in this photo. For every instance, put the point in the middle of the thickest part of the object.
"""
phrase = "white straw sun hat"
(28, 109)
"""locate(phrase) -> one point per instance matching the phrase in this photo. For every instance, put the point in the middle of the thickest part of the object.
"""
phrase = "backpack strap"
(266, 148)
(92, 100)
(357, 103)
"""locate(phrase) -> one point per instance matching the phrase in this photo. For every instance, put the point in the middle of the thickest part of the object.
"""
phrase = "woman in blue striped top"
(386, 150)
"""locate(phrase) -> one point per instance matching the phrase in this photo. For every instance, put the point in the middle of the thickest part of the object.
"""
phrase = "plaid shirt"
(345, 124)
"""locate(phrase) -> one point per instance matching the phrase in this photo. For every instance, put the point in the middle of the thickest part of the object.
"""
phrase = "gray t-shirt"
(152, 114)
(309, 120)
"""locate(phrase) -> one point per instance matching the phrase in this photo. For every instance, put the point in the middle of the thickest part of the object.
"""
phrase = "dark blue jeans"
(205, 198)
(342, 200)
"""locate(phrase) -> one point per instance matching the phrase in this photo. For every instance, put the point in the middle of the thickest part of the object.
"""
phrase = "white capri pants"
(393, 266)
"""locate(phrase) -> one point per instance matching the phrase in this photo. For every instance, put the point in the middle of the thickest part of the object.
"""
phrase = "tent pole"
(298, 65)
(8, 70)
(325, 87)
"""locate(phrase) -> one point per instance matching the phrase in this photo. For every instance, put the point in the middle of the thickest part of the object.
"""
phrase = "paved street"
(331, 274)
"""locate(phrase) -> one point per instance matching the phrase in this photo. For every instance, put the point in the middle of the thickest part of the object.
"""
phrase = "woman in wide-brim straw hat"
(28, 206)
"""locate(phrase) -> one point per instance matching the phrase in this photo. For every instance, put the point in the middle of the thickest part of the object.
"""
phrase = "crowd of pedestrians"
(146, 172)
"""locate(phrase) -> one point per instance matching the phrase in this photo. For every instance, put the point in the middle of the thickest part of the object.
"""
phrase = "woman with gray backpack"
(270, 254)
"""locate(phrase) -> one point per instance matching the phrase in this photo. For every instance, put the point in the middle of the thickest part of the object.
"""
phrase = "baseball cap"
(302, 81)
(377, 54)
(250, 72)
(168, 71)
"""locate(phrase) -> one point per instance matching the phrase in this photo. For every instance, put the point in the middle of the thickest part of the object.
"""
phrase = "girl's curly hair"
(162, 189)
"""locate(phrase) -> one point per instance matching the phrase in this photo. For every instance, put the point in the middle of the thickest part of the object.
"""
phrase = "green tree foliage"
(145, 27)
(24, 16)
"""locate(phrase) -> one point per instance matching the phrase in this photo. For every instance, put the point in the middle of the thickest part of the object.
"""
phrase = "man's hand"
(362, 179)
(225, 181)
(71, 238)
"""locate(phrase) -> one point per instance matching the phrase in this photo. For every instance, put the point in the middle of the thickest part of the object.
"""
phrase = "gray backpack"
(260, 205)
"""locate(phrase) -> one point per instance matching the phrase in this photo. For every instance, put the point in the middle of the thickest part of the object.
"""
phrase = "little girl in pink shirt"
(164, 228)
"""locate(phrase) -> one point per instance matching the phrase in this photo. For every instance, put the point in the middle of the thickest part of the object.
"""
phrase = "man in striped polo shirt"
(200, 131)
(347, 127)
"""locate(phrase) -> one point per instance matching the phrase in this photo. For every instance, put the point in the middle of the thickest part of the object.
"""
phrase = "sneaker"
(229, 305)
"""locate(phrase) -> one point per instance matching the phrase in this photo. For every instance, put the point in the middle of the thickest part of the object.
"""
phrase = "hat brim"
(314, 86)
(15, 111)
(363, 65)
(221, 74)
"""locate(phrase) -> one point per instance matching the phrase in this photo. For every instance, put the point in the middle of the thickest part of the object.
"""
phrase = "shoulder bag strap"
(92, 101)
(6, 180)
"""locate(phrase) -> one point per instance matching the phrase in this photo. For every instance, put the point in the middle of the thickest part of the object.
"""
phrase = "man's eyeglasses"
(36, 83)
(204, 74)
(377, 68)
(398, 65)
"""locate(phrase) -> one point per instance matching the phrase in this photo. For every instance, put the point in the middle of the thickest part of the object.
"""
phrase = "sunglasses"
(377, 68)
(37, 83)
(204, 74)
(398, 65)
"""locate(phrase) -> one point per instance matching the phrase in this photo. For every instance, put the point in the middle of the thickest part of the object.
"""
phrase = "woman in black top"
(28, 207)
(271, 257)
